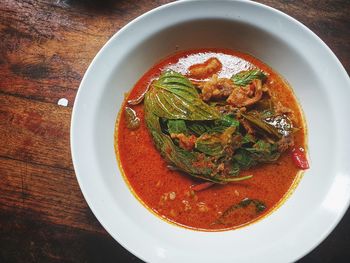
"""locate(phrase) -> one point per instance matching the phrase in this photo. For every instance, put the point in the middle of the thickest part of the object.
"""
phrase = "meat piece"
(227, 109)
(215, 88)
(245, 96)
(132, 121)
(284, 143)
(206, 69)
(185, 142)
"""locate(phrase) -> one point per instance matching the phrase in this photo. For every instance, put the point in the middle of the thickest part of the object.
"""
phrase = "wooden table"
(45, 48)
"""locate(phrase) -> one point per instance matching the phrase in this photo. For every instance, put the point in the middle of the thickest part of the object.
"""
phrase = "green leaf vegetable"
(173, 96)
(244, 78)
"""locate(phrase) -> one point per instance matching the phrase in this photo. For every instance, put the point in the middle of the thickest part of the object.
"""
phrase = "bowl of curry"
(225, 136)
(205, 136)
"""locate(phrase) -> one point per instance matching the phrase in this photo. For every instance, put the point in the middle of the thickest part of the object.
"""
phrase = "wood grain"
(35, 132)
(28, 239)
(45, 48)
(52, 193)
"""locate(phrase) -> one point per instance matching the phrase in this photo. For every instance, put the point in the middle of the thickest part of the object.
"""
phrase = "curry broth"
(167, 192)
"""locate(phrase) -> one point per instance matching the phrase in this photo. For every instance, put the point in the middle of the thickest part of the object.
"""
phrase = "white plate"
(320, 83)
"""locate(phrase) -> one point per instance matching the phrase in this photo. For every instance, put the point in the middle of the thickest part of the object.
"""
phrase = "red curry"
(168, 192)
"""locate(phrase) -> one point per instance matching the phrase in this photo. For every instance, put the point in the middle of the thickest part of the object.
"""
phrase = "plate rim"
(110, 41)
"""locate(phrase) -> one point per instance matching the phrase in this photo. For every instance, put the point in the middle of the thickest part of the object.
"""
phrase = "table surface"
(45, 48)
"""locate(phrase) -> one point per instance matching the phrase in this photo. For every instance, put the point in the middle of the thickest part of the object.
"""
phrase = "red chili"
(202, 186)
(299, 158)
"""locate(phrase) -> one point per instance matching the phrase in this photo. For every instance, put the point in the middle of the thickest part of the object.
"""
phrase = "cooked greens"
(173, 96)
(201, 139)
(244, 78)
(259, 207)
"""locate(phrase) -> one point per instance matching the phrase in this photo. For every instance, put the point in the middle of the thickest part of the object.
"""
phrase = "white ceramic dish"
(320, 83)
